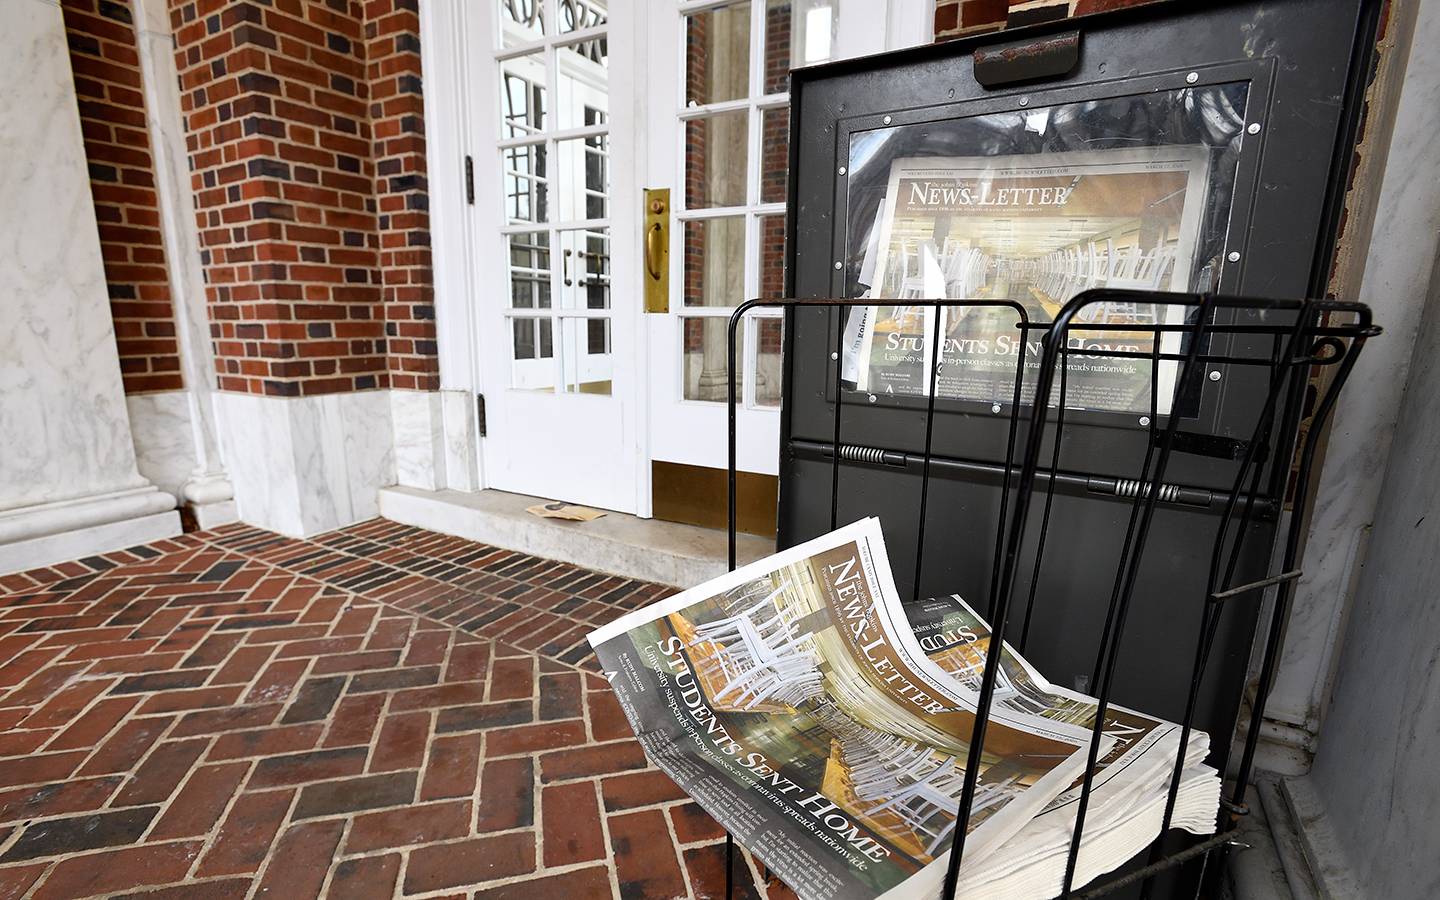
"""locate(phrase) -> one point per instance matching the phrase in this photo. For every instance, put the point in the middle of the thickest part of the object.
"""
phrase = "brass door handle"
(654, 247)
(657, 250)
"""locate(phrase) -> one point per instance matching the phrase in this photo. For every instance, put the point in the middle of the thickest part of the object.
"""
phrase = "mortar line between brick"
(538, 815)
(258, 876)
(679, 854)
(208, 838)
(609, 846)
(174, 793)
(44, 877)
(335, 859)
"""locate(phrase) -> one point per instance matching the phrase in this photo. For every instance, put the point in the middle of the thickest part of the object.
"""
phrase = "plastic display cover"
(1035, 206)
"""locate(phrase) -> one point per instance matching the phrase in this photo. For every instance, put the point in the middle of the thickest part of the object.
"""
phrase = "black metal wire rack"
(1302, 351)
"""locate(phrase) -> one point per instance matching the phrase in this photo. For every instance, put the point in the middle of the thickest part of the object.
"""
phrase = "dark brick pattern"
(379, 712)
(397, 118)
(106, 66)
(306, 144)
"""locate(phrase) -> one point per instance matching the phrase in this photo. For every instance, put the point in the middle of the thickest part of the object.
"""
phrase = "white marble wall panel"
(344, 450)
(419, 439)
(305, 465)
(68, 477)
(164, 438)
(256, 442)
(63, 422)
(1397, 273)
(1375, 769)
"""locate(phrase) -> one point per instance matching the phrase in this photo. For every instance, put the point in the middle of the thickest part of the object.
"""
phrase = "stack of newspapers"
(827, 726)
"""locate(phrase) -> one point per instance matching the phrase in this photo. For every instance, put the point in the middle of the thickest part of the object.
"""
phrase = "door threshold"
(617, 543)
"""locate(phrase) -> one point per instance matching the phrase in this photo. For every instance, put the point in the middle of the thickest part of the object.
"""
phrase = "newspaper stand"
(1136, 549)
(1298, 353)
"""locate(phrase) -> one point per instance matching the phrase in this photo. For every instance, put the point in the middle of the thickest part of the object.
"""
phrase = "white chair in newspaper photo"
(918, 805)
(964, 272)
(1139, 270)
(752, 676)
(969, 669)
(763, 613)
(758, 655)
(882, 771)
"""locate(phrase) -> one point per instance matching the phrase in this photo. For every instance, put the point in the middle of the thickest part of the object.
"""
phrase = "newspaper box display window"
(1036, 229)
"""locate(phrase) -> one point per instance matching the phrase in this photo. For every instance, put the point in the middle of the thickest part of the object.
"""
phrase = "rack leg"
(729, 866)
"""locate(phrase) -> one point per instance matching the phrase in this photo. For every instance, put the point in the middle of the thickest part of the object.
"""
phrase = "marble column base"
(212, 515)
(35, 536)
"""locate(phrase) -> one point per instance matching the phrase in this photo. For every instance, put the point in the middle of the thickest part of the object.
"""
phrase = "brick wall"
(954, 18)
(306, 147)
(106, 66)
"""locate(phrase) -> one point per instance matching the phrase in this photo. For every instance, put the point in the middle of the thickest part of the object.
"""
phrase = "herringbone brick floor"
(379, 712)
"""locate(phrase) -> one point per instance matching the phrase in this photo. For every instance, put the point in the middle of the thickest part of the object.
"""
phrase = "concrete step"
(617, 543)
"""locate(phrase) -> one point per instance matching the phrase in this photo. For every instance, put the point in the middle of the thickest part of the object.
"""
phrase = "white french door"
(571, 108)
(556, 271)
(718, 125)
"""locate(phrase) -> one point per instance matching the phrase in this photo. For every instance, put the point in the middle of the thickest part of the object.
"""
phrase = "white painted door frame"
(691, 431)
(462, 117)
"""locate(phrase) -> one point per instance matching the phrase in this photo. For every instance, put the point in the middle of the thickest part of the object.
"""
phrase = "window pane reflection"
(797, 33)
(585, 275)
(521, 21)
(522, 95)
(772, 257)
(717, 54)
(583, 83)
(769, 341)
(530, 270)
(532, 365)
(774, 154)
(526, 173)
(715, 261)
(705, 351)
(715, 160)
(583, 184)
(578, 15)
(588, 363)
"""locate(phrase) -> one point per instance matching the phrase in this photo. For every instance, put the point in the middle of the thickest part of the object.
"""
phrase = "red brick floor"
(379, 712)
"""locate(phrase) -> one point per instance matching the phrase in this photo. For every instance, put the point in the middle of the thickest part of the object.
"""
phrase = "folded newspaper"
(827, 727)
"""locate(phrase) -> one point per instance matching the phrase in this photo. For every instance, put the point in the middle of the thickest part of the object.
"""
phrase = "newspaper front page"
(1035, 230)
(793, 702)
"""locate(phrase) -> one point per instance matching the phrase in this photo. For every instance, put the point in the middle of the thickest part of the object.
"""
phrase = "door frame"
(460, 106)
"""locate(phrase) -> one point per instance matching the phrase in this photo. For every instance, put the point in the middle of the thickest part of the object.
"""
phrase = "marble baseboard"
(305, 465)
(1284, 748)
(45, 519)
(420, 458)
(462, 440)
(87, 541)
(1327, 859)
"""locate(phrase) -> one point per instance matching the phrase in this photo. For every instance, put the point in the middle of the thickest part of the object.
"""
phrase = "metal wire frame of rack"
(1304, 336)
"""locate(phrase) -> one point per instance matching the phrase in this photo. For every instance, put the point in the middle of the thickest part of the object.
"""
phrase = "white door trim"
(460, 114)
(444, 33)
